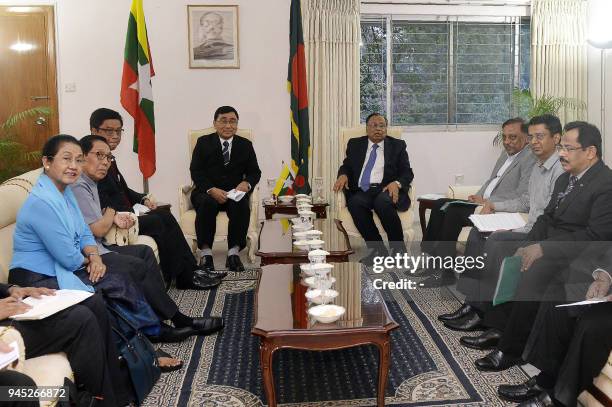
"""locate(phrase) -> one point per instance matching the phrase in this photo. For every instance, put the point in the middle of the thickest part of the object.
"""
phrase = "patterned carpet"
(428, 366)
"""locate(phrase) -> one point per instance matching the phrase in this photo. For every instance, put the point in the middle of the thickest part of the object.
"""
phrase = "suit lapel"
(515, 162)
(387, 154)
(361, 155)
(579, 187)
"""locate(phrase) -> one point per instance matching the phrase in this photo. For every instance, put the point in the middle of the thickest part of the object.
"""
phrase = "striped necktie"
(226, 153)
(570, 185)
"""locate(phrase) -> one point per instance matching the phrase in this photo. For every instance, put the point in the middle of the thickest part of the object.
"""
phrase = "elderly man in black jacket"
(175, 256)
(376, 175)
(223, 161)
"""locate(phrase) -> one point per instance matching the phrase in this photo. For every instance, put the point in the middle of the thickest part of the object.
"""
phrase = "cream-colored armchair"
(187, 213)
(342, 213)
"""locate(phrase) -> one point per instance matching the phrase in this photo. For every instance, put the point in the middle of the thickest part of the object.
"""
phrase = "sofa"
(48, 370)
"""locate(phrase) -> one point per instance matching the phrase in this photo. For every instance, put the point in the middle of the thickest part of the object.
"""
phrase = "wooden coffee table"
(276, 245)
(319, 208)
(281, 319)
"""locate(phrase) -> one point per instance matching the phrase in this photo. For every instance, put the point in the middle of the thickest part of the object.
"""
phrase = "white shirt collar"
(381, 145)
(229, 140)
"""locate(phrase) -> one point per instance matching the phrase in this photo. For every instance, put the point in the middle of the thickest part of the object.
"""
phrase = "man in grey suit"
(508, 181)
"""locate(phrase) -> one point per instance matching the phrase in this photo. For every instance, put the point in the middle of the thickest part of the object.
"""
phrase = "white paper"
(9, 357)
(431, 196)
(140, 209)
(48, 305)
(585, 302)
(235, 195)
(498, 221)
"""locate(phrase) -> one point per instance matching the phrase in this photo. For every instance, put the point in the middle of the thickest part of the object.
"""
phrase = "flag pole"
(145, 185)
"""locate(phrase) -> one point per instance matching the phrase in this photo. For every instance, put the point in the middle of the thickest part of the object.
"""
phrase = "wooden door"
(27, 71)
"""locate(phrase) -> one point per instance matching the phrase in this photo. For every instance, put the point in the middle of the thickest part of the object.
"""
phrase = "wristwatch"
(399, 184)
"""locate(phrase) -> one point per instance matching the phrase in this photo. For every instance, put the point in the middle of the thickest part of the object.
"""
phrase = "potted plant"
(527, 106)
(14, 156)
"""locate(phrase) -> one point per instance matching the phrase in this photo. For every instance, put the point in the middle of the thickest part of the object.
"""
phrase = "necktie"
(226, 155)
(570, 185)
(364, 183)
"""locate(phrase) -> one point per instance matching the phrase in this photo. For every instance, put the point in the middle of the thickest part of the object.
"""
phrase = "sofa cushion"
(188, 224)
(406, 219)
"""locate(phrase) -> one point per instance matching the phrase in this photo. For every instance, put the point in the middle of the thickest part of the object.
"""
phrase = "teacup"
(321, 296)
(317, 256)
(302, 244)
(315, 244)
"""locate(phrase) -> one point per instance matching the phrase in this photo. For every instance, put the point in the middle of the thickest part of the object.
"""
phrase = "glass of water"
(318, 185)
(271, 184)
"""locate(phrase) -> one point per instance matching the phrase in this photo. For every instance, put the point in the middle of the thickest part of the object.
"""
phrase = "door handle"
(41, 121)
(39, 97)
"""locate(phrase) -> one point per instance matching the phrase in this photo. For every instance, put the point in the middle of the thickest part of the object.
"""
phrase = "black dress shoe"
(460, 313)
(210, 273)
(198, 283)
(541, 400)
(169, 334)
(487, 340)
(496, 361)
(207, 326)
(233, 263)
(207, 263)
(470, 322)
(439, 279)
(520, 392)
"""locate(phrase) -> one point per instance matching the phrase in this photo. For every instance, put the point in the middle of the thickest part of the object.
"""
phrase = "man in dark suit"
(175, 256)
(579, 213)
(223, 161)
(376, 175)
(569, 345)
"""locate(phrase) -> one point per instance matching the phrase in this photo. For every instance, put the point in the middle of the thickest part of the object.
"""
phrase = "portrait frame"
(213, 36)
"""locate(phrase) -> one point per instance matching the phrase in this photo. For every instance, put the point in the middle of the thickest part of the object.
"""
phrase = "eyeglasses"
(110, 132)
(225, 122)
(101, 156)
(69, 160)
(569, 149)
(538, 137)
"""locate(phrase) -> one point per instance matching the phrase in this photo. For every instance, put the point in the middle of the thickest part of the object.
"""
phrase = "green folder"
(509, 277)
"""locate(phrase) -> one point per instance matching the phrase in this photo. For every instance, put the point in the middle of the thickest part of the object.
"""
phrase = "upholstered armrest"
(185, 198)
(9, 335)
(461, 191)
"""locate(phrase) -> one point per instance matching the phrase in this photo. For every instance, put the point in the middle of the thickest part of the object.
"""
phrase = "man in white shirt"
(375, 176)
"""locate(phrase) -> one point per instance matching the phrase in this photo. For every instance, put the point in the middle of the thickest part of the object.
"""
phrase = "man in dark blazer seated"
(223, 161)
(376, 175)
(176, 260)
(569, 345)
(578, 216)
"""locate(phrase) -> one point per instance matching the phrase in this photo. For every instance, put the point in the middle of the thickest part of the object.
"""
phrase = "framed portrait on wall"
(213, 36)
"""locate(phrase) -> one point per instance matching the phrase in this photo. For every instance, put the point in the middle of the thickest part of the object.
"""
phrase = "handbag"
(139, 355)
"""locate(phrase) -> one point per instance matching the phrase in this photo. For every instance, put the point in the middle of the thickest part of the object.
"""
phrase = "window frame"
(388, 18)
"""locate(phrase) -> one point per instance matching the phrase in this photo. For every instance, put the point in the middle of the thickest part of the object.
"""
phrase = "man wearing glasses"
(223, 161)
(176, 259)
(375, 176)
(578, 216)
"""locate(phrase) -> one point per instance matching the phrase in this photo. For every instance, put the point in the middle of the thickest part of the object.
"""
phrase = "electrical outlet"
(70, 87)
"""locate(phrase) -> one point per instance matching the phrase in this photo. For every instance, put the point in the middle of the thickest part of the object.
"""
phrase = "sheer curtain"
(559, 52)
(331, 37)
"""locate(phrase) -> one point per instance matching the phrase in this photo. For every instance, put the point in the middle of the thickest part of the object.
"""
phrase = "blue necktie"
(364, 183)
(225, 152)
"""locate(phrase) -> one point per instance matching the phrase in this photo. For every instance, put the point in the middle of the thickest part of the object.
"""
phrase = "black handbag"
(138, 353)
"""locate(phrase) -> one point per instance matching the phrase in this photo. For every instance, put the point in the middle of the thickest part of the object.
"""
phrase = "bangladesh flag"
(296, 85)
(136, 89)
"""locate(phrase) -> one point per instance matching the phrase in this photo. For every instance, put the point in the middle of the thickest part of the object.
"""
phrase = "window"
(458, 72)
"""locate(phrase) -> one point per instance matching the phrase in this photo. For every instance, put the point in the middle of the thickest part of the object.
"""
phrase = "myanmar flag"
(296, 85)
(284, 183)
(136, 90)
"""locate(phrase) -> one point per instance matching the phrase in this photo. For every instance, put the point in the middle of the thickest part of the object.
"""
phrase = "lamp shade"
(599, 30)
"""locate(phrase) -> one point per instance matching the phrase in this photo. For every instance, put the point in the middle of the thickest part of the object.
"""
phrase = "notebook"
(48, 305)
(498, 221)
(9, 357)
(509, 277)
